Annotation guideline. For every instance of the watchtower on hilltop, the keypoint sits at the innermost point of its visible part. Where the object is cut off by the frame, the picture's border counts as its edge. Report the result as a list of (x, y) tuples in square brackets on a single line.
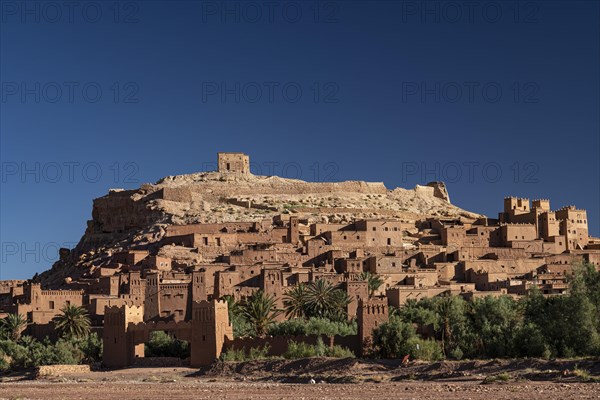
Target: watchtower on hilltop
[(233, 163)]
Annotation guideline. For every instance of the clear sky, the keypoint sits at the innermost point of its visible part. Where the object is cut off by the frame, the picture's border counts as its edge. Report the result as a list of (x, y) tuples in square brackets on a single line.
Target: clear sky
[(495, 98)]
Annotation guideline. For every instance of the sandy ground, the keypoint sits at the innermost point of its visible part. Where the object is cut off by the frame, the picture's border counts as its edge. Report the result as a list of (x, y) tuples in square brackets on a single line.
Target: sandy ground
[(203, 389), (267, 380)]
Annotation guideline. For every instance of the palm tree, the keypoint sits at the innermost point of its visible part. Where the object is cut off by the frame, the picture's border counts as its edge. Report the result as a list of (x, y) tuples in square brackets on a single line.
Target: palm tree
[(233, 307), (73, 321), (260, 311), (341, 301), (294, 302), (373, 281), (13, 325), (320, 298)]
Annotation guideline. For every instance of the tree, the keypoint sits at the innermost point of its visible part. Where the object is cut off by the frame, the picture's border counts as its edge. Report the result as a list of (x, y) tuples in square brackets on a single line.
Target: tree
[(373, 281), (161, 344), (12, 326), (240, 326), (568, 323), (392, 338), (339, 309), (496, 320), (260, 311), (323, 300), (452, 325), (72, 322), (295, 302), (417, 313), (319, 298)]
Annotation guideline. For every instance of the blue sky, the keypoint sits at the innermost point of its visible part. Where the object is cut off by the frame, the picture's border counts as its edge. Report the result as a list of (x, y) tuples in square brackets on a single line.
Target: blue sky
[(496, 98)]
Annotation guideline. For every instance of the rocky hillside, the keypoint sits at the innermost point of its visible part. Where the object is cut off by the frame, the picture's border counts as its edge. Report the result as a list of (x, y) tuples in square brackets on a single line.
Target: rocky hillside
[(138, 218)]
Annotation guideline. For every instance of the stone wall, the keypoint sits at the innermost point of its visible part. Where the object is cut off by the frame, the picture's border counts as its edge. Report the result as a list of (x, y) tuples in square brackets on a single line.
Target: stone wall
[(60, 370)]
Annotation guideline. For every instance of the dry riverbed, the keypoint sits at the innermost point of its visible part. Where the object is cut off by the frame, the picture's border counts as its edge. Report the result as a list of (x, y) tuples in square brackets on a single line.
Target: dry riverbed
[(321, 379)]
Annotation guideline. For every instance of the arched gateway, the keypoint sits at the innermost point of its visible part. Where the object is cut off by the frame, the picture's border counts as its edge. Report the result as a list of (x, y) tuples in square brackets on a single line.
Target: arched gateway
[(125, 333)]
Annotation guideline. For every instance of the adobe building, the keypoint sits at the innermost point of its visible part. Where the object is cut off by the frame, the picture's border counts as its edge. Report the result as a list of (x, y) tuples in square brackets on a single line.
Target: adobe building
[(371, 313), (125, 333), (528, 246), (233, 163)]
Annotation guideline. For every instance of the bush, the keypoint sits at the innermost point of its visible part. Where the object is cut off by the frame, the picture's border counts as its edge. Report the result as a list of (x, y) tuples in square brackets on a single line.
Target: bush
[(255, 353), (29, 352), (259, 353), (233, 355), (91, 348), (456, 354), (300, 350), (501, 377), (530, 342), (340, 352), (395, 338), (163, 345), (426, 350), (305, 350), (313, 326)]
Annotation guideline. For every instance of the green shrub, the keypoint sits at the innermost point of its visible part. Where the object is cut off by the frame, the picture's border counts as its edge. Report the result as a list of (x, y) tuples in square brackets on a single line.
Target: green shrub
[(259, 353), (313, 326), (530, 342), (340, 352), (255, 353), (234, 355), (426, 350), (456, 354), (305, 350), (299, 350), (394, 339), (501, 377), (29, 352), (163, 345)]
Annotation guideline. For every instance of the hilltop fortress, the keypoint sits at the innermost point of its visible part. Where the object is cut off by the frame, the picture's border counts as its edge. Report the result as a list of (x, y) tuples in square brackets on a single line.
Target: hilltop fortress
[(162, 256)]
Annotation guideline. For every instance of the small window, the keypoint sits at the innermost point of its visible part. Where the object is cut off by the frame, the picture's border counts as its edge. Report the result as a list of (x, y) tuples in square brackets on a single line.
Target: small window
[(51, 305)]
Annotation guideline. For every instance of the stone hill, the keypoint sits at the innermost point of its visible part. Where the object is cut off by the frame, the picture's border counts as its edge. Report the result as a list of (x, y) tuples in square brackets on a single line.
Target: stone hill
[(130, 219)]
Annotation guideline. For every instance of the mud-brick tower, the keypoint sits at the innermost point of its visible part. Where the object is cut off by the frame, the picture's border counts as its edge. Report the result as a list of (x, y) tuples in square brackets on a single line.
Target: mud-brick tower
[(119, 350), (370, 314), (210, 328)]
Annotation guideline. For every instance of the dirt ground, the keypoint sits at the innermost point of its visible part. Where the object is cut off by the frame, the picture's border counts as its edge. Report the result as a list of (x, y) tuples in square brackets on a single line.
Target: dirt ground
[(321, 379)]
